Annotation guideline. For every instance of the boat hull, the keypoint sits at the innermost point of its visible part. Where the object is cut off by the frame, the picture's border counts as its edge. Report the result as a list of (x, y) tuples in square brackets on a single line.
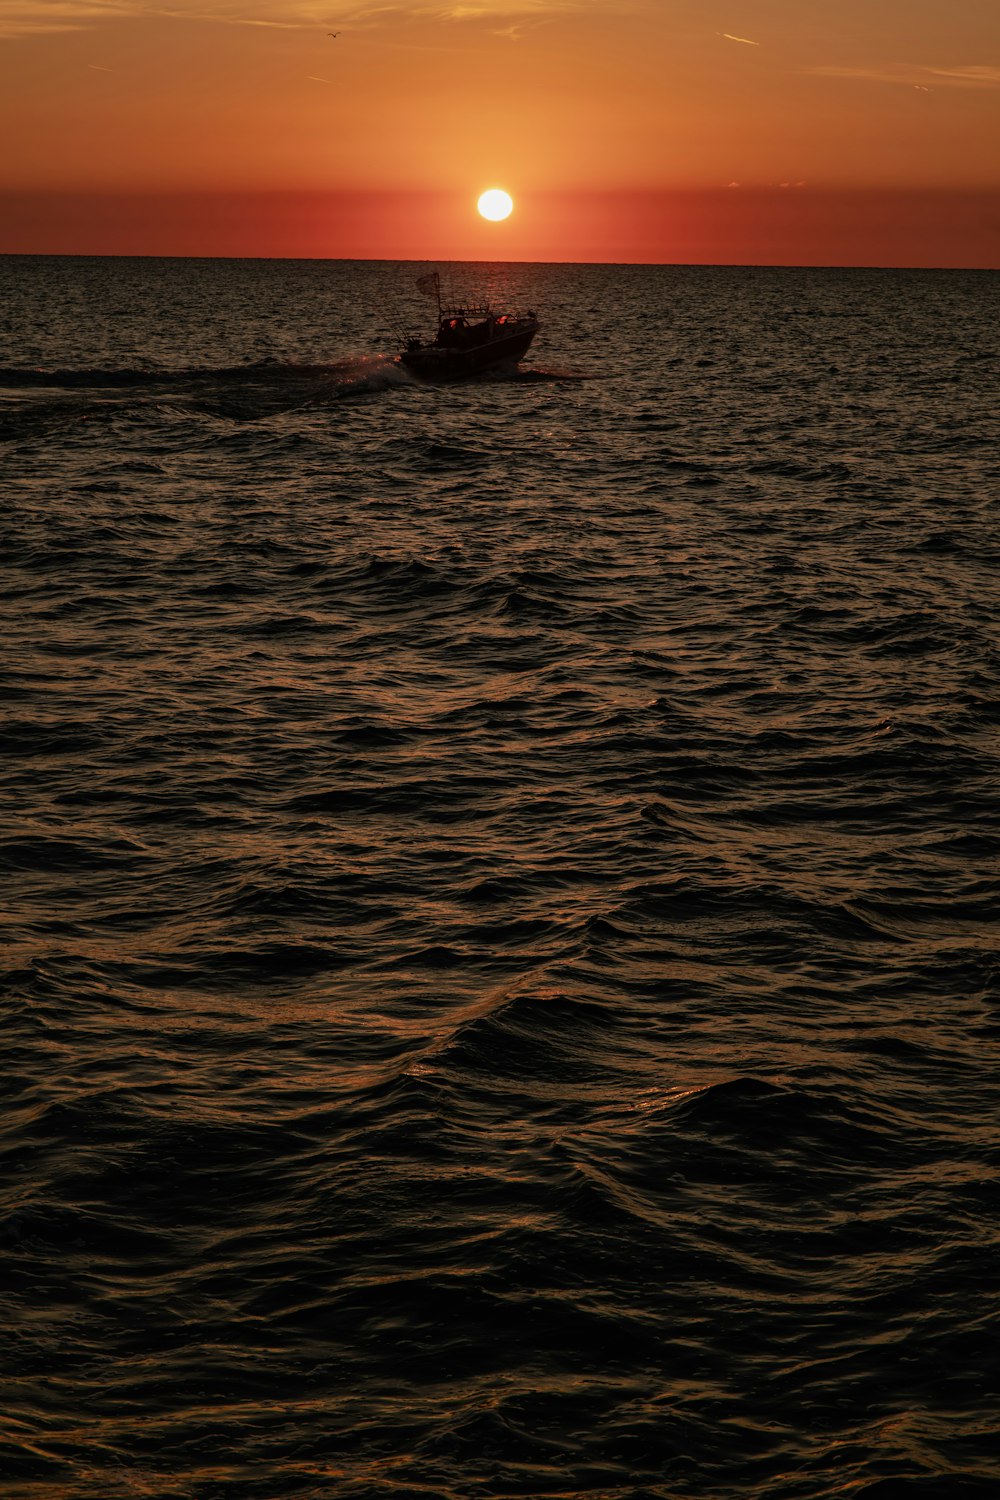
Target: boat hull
[(440, 362)]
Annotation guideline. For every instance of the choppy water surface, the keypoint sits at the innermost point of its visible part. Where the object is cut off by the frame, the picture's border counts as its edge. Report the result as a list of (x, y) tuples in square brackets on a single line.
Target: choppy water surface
[(501, 888)]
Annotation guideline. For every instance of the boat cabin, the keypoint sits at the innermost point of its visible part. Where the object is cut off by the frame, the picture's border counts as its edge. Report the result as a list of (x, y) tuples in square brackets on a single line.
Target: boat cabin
[(456, 332)]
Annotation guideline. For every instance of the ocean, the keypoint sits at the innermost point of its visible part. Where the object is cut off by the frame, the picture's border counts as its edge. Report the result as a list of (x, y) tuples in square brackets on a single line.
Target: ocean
[(502, 898)]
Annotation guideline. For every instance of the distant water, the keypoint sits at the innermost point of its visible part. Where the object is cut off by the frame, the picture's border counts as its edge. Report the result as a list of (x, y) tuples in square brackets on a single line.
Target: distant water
[(502, 891)]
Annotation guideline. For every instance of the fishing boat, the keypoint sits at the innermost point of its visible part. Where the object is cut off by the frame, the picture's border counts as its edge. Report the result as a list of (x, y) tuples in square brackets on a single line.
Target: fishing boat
[(469, 339)]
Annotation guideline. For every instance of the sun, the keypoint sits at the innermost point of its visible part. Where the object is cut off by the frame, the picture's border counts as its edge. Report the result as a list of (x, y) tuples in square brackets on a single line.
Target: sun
[(495, 204)]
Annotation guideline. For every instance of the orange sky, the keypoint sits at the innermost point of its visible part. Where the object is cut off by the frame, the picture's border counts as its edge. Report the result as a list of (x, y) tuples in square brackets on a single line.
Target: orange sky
[(760, 131)]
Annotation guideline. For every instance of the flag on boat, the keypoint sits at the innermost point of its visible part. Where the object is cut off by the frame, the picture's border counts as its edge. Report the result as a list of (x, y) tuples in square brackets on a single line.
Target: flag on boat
[(428, 284)]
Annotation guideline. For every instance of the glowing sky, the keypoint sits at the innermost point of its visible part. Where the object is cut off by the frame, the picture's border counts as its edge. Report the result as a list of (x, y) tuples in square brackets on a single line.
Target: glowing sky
[(656, 129)]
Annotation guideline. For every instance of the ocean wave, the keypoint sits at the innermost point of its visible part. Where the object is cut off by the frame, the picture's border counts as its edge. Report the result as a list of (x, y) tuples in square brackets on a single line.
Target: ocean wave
[(500, 958)]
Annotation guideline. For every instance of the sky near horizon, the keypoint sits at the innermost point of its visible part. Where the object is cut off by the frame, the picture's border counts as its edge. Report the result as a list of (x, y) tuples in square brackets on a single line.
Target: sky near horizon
[(776, 131)]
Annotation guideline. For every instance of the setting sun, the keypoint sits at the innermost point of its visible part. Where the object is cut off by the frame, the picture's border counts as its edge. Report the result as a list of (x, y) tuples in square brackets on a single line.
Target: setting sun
[(495, 204)]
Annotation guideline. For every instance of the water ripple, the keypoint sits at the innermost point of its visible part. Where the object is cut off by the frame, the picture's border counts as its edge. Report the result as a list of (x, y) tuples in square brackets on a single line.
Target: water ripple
[(501, 956)]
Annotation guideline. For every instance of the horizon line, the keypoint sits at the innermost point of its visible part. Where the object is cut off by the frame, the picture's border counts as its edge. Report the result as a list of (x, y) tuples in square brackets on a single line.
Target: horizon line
[(690, 265)]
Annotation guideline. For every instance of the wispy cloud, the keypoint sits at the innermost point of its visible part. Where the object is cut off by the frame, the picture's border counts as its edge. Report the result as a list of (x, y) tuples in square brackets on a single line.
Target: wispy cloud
[(744, 39), (913, 75), (515, 13), (29, 17), (299, 15), (33, 17), (970, 78)]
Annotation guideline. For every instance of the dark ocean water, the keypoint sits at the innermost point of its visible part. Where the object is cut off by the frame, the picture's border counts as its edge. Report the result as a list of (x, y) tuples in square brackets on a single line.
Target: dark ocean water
[(500, 934)]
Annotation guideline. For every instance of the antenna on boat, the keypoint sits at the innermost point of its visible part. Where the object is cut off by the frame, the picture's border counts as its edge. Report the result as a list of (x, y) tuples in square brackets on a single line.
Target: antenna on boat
[(430, 285)]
